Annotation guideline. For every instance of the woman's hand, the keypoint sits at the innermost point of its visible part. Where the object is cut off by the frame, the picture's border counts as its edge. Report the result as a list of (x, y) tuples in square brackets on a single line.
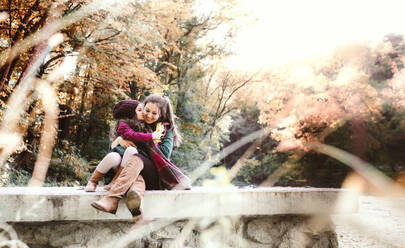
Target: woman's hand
[(122, 142)]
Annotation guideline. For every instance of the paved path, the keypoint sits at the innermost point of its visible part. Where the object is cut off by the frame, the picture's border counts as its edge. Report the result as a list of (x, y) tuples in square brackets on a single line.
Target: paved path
[(380, 223)]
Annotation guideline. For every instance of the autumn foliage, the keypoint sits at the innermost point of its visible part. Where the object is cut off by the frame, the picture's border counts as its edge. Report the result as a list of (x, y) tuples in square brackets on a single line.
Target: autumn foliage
[(352, 98), (109, 51)]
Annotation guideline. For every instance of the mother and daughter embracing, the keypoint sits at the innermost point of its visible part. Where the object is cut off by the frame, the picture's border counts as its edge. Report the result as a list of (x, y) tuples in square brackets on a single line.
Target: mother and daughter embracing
[(142, 143)]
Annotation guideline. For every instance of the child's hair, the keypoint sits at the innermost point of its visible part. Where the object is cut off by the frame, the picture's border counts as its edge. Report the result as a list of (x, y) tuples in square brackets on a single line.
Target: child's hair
[(124, 111), (166, 114)]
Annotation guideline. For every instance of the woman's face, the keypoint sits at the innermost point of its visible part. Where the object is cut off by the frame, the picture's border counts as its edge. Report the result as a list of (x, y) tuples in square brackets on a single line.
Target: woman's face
[(151, 112), (139, 112)]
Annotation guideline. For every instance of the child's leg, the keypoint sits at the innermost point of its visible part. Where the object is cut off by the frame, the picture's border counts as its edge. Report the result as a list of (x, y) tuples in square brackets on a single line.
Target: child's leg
[(111, 160), (129, 152)]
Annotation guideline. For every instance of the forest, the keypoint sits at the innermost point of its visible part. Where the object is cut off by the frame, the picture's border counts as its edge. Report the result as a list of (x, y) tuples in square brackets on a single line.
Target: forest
[(65, 63)]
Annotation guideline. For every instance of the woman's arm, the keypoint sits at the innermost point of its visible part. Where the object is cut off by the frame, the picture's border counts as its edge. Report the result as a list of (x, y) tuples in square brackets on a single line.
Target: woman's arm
[(166, 146), (126, 131)]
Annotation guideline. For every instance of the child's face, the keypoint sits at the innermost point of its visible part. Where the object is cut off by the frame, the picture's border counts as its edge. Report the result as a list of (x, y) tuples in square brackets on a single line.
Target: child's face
[(139, 112)]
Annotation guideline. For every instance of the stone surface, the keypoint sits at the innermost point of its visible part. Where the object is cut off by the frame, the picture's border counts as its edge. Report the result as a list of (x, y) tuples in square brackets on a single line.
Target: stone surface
[(287, 231), (72, 203), (53, 204), (260, 201), (264, 230), (282, 231), (226, 217), (167, 232), (70, 234), (326, 240)]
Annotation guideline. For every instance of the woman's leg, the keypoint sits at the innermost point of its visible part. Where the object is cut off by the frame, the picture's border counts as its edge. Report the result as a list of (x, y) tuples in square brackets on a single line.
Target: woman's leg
[(111, 160), (130, 151), (129, 174), (134, 197), (150, 175)]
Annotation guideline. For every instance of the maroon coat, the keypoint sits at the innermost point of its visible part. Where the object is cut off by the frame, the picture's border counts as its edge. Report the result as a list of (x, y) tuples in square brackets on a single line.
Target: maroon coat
[(125, 130)]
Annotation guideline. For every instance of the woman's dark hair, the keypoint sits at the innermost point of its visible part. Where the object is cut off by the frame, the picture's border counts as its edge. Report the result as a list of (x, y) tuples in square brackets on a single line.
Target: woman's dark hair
[(166, 114)]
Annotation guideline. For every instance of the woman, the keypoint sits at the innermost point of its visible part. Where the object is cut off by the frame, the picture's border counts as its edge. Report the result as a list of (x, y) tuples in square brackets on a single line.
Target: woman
[(125, 111), (140, 173)]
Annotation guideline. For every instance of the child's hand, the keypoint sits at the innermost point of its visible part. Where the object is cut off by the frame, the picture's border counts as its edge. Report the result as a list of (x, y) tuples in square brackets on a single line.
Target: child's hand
[(160, 127), (157, 135), (116, 142), (125, 143)]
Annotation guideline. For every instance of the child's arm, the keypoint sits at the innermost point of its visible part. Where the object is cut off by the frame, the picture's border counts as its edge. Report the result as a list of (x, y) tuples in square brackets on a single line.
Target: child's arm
[(120, 141), (115, 142), (126, 131)]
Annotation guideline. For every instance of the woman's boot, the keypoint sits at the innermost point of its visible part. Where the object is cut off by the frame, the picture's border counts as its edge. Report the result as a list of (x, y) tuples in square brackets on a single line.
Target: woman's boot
[(135, 196), (108, 186), (92, 184), (109, 202)]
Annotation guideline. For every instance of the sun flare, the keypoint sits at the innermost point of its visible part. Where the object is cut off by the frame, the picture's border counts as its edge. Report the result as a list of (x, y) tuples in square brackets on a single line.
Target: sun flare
[(293, 30)]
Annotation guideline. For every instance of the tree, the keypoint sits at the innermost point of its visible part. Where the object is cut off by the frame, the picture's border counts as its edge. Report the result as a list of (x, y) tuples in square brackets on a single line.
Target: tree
[(346, 100), (126, 50), (111, 49)]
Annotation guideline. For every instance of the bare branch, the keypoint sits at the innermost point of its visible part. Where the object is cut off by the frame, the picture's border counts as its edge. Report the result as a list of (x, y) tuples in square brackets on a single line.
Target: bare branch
[(236, 89), (46, 65), (107, 38)]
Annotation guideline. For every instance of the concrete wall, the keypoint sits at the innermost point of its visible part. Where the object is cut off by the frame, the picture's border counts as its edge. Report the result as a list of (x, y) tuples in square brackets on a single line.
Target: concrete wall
[(284, 231), (264, 217)]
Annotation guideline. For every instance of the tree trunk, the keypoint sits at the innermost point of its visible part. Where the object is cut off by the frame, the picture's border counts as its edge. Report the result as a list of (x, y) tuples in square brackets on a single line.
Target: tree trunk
[(81, 110), (64, 122), (134, 90), (358, 128), (7, 69)]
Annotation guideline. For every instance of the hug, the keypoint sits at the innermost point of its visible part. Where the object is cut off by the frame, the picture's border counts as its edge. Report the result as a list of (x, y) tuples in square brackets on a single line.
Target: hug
[(141, 146)]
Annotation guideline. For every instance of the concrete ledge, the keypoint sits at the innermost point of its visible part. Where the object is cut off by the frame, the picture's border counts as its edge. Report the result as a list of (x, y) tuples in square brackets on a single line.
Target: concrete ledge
[(19, 204)]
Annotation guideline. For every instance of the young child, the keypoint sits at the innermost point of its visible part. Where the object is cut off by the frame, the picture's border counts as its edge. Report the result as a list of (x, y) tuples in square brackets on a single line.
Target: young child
[(119, 155)]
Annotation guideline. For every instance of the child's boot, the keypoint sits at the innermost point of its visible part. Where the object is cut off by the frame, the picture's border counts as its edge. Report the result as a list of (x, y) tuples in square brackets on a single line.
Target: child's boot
[(108, 186), (92, 184)]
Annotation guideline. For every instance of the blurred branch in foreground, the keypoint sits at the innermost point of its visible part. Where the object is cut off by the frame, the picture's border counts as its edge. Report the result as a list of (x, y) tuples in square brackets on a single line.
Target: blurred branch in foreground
[(48, 97), (9, 237), (19, 100)]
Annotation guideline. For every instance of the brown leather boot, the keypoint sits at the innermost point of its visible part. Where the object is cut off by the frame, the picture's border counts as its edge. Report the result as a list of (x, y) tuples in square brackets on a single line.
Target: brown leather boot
[(135, 196), (108, 187), (107, 204), (126, 178), (92, 184)]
